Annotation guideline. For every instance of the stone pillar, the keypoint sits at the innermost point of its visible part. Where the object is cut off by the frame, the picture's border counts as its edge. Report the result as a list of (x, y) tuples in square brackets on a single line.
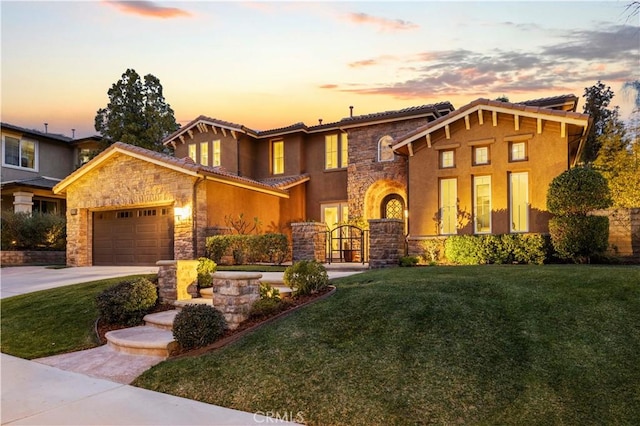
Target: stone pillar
[(234, 293), (309, 241), (22, 202), (386, 242), (177, 280)]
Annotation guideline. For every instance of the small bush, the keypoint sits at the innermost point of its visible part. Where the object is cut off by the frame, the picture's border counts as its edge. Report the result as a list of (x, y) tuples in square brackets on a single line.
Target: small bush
[(206, 267), (196, 326), (266, 307), (432, 250), (269, 292), (127, 302), (306, 277), (408, 261), (463, 250)]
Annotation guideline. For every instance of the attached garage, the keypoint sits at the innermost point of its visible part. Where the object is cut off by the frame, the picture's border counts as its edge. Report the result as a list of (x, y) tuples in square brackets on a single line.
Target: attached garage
[(133, 236)]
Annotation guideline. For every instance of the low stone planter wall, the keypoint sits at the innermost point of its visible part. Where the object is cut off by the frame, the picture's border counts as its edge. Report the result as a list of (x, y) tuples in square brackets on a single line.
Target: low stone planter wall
[(234, 293), (32, 257), (177, 280)]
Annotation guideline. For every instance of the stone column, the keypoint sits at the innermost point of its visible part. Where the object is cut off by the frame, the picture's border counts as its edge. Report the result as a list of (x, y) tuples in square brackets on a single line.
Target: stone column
[(309, 241), (177, 280), (22, 202), (386, 242), (234, 293)]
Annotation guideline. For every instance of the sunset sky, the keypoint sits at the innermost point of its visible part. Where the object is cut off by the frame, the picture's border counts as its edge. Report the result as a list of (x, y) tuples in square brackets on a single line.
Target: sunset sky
[(268, 64)]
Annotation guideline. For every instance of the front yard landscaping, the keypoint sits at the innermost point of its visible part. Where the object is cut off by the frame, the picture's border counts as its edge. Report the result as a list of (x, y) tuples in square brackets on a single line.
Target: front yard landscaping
[(555, 344)]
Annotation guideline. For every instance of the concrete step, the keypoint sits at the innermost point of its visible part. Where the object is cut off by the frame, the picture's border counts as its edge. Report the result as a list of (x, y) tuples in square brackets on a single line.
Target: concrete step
[(142, 340), (163, 320), (206, 293), (198, 300)]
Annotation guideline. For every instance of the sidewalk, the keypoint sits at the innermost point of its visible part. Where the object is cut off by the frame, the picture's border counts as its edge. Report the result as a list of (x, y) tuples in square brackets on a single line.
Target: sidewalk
[(36, 394)]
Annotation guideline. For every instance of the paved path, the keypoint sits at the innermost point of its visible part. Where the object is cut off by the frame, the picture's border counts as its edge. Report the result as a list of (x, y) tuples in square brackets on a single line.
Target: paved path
[(33, 393)]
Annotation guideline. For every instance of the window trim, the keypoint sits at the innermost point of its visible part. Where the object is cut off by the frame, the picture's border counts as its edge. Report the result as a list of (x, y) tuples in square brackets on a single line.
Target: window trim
[(475, 204), (474, 156), (441, 206), (526, 151), (527, 204), (341, 152), (385, 138), (277, 164), (202, 147), (36, 151), (441, 158), (217, 153)]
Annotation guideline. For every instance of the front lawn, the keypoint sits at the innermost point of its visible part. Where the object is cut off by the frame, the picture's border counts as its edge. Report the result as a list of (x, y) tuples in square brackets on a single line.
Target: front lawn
[(555, 344), (51, 322)]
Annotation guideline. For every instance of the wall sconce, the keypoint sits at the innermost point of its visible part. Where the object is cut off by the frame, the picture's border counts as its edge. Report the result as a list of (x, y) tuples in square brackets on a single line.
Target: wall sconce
[(406, 213), (181, 212)]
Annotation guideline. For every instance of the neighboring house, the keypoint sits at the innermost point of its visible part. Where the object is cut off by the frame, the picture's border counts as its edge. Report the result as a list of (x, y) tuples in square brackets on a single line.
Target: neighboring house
[(486, 168), (133, 206), (33, 162)]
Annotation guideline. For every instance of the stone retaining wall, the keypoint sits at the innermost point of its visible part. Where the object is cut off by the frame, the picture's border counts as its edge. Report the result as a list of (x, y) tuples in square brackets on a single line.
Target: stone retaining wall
[(624, 233), (30, 257), (309, 241), (233, 295)]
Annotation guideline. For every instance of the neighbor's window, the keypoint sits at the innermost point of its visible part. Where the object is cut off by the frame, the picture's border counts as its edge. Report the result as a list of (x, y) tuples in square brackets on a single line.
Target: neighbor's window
[(204, 153), (216, 153), (344, 150), (20, 153), (447, 159), (385, 153), (277, 159), (331, 151), (519, 203), (518, 151), (448, 206), (480, 155), (193, 148), (482, 204)]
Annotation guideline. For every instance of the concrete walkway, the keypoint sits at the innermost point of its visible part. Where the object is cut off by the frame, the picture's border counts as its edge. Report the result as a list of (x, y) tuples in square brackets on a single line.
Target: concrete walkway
[(76, 391)]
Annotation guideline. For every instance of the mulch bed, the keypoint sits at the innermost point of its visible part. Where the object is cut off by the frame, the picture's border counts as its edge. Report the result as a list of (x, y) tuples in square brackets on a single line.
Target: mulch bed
[(230, 336)]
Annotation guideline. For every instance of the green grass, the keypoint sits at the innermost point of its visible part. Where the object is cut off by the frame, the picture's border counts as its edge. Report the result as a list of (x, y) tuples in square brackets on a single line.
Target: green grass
[(51, 322), (542, 345)]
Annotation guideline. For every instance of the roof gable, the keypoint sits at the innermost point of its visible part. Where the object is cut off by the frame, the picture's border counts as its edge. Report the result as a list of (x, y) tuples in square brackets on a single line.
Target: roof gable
[(184, 165)]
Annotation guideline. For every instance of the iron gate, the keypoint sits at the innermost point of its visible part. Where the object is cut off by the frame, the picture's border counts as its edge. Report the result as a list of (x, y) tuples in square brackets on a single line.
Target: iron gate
[(347, 243)]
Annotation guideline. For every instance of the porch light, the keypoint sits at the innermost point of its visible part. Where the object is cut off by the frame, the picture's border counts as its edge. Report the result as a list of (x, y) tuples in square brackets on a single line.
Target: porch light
[(406, 213), (181, 212)]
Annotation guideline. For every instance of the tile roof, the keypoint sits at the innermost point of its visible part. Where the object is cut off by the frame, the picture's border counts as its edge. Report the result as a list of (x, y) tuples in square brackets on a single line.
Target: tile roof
[(35, 182), (552, 101), (37, 133), (286, 182)]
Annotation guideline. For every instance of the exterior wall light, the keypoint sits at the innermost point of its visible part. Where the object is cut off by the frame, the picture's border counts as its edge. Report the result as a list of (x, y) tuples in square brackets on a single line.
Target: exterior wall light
[(181, 212)]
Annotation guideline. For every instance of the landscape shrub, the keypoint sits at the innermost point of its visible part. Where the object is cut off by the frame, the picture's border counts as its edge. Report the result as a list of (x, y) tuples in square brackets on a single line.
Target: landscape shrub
[(268, 248), (571, 196), (267, 291), (266, 307), (198, 325), (306, 277), (206, 267), (578, 238), (127, 302), (500, 249), (32, 231), (408, 261), (432, 250)]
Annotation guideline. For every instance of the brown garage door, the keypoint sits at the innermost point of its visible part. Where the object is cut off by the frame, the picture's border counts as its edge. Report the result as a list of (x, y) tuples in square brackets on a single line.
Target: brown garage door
[(133, 236)]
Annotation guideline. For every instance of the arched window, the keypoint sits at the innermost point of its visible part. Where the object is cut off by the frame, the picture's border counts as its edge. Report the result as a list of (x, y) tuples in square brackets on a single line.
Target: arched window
[(385, 153), (392, 207)]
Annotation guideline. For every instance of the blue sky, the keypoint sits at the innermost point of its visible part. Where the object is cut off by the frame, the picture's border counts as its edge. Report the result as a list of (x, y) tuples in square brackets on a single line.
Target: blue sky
[(268, 64)]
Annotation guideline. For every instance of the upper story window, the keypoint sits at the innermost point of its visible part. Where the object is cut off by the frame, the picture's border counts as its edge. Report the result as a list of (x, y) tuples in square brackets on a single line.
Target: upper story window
[(204, 153), (277, 157), (336, 151), (193, 152), (517, 151), (85, 155), (216, 153), (480, 155), (20, 153), (447, 159), (385, 153)]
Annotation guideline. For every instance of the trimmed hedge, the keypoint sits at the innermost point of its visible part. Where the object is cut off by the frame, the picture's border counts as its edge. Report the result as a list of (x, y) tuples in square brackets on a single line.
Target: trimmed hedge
[(33, 231), (196, 326), (500, 249), (127, 302), (267, 248), (578, 238)]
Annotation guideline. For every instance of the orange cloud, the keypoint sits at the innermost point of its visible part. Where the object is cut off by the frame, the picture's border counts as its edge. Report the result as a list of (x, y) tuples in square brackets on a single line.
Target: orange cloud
[(147, 8), (383, 23), (328, 86)]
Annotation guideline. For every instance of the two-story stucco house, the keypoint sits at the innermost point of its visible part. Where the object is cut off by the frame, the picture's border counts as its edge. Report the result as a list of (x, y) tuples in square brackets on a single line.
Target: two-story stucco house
[(132, 206), (33, 162)]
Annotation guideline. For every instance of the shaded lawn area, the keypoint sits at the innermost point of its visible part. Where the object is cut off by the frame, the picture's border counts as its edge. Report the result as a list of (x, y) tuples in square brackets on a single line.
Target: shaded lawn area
[(556, 344), (51, 322)]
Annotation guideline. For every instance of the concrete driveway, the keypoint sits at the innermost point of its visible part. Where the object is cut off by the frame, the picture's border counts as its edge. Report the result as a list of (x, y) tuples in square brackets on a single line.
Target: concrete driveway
[(27, 279)]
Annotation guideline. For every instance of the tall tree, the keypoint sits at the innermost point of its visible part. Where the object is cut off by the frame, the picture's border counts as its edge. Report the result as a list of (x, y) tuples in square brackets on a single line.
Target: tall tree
[(137, 113), (598, 97), (633, 86)]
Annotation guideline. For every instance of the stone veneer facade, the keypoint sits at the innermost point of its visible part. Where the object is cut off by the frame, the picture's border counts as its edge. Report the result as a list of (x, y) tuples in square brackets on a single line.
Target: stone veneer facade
[(370, 180), (387, 244), (309, 241), (131, 183)]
